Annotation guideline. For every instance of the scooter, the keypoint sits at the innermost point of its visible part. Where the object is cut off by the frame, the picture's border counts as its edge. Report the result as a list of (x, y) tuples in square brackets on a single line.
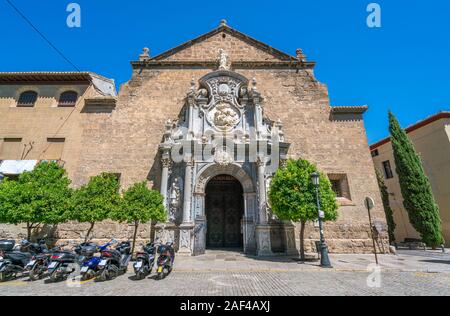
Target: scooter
[(62, 264), (89, 265), (37, 267), (114, 262), (12, 262), (165, 260), (145, 261)]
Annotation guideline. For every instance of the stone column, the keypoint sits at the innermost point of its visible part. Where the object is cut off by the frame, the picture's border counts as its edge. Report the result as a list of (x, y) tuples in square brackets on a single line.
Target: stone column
[(260, 163), (264, 247), (187, 192), (186, 228)]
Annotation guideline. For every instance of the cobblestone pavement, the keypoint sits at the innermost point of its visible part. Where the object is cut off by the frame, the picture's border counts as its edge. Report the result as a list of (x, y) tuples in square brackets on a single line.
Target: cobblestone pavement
[(246, 284), (226, 273)]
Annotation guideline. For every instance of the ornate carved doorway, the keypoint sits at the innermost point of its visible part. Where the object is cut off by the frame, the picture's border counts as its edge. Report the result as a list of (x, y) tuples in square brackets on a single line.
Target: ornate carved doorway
[(224, 212)]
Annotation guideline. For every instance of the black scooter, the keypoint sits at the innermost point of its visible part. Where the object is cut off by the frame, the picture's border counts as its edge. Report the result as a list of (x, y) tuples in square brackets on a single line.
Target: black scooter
[(145, 261), (62, 264), (12, 262), (114, 262), (165, 260), (37, 267)]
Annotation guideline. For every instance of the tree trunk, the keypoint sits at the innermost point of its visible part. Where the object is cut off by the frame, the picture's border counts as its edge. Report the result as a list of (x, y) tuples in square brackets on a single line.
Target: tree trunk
[(89, 232), (136, 225), (29, 230), (302, 240)]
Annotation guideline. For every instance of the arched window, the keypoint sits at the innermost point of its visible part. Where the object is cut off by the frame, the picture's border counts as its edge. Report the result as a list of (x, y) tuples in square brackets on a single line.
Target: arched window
[(68, 99), (27, 99)]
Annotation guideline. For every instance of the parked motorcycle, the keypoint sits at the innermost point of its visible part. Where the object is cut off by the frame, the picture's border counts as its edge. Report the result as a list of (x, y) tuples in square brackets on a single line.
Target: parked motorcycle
[(37, 267), (145, 261), (62, 264), (90, 263), (114, 262), (12, 262), (165, 260)]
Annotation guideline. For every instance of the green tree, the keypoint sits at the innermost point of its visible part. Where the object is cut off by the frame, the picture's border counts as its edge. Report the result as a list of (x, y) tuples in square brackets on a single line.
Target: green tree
[(292, 196), (387, 207), (38, 197), (95, 201), (418, 198), (140, 205)]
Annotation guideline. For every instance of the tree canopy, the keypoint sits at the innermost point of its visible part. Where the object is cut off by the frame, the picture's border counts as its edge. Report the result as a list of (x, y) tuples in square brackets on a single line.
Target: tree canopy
[(96, 201), (38, 197), (140, 205), (292, 195)]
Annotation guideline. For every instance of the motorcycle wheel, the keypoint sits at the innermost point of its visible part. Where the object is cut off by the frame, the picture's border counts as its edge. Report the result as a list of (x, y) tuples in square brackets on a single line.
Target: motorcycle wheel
[(140, 275), (103, 276), (87, 276), (113, 272), (3, 277), (54, 277), (34, 275)]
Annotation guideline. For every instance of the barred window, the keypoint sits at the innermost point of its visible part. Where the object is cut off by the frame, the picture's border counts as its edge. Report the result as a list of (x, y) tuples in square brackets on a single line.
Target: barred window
[(388, 169), (340, 186), (68, 99), (27, 99)]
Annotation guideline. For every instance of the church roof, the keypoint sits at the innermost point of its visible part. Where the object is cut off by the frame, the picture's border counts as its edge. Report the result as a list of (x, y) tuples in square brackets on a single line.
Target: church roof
[(49, 77), (223, 27)]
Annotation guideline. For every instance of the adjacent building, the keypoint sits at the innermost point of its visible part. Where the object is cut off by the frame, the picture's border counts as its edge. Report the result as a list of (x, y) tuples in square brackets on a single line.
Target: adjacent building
[(207, 123), (431, 139)]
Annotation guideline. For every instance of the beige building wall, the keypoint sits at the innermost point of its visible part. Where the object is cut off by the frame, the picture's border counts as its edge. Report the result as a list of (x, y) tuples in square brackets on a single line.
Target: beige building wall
[(432, 142), (42, 132)]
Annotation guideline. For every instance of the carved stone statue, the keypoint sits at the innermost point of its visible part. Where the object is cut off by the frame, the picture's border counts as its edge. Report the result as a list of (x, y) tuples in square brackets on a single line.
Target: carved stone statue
[(223, 60), (175, 194)]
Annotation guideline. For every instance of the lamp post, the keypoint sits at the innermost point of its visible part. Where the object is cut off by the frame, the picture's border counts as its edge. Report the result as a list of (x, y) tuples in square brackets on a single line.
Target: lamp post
[(324, 259)]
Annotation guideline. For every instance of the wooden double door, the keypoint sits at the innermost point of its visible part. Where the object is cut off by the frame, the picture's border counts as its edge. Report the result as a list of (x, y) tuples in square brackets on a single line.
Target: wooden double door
[(224, 212)]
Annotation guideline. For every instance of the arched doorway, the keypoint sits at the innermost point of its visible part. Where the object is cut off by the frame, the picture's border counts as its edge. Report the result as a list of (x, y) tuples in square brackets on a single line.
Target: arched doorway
[(224, 210)]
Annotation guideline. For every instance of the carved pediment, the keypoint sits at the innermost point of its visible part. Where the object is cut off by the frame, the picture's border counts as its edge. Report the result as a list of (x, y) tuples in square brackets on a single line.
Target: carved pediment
[(223, 111)]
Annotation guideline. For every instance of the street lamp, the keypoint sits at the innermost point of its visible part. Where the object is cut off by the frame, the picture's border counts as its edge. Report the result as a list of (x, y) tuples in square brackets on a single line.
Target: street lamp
[(324, 259)]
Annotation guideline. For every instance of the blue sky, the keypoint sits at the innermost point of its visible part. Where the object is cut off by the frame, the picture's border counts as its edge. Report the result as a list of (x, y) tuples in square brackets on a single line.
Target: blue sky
[(403, 66)]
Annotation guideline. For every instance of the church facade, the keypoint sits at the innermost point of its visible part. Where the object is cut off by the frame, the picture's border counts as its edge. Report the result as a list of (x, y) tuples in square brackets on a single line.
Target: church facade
[(208, 123)]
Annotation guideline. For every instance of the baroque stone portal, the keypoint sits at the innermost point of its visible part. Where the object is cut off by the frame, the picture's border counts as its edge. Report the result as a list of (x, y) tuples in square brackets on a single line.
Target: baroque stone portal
[(221, 135)]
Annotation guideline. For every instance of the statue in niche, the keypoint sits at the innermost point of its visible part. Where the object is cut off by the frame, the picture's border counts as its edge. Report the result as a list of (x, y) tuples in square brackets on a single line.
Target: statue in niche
[(175, 194), (223, 60)]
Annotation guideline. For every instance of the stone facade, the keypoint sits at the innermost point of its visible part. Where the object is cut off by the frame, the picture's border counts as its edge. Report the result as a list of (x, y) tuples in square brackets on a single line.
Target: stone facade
[(130, 139)]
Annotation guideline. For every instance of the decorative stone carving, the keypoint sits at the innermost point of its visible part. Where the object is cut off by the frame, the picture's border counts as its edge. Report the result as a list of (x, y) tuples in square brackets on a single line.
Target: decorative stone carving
[(175, 200), (145, 55), (224, 116), (223, 60), (300, 56), (202, 93), (222, 157)]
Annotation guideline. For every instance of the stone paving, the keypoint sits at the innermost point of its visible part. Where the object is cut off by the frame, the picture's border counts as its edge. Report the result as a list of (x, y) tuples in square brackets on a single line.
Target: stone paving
[(229, 274)]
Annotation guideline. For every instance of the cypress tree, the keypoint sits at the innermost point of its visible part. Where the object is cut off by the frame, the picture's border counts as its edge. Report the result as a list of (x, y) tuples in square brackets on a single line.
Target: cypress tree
[(387, 207), (418, 198)]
